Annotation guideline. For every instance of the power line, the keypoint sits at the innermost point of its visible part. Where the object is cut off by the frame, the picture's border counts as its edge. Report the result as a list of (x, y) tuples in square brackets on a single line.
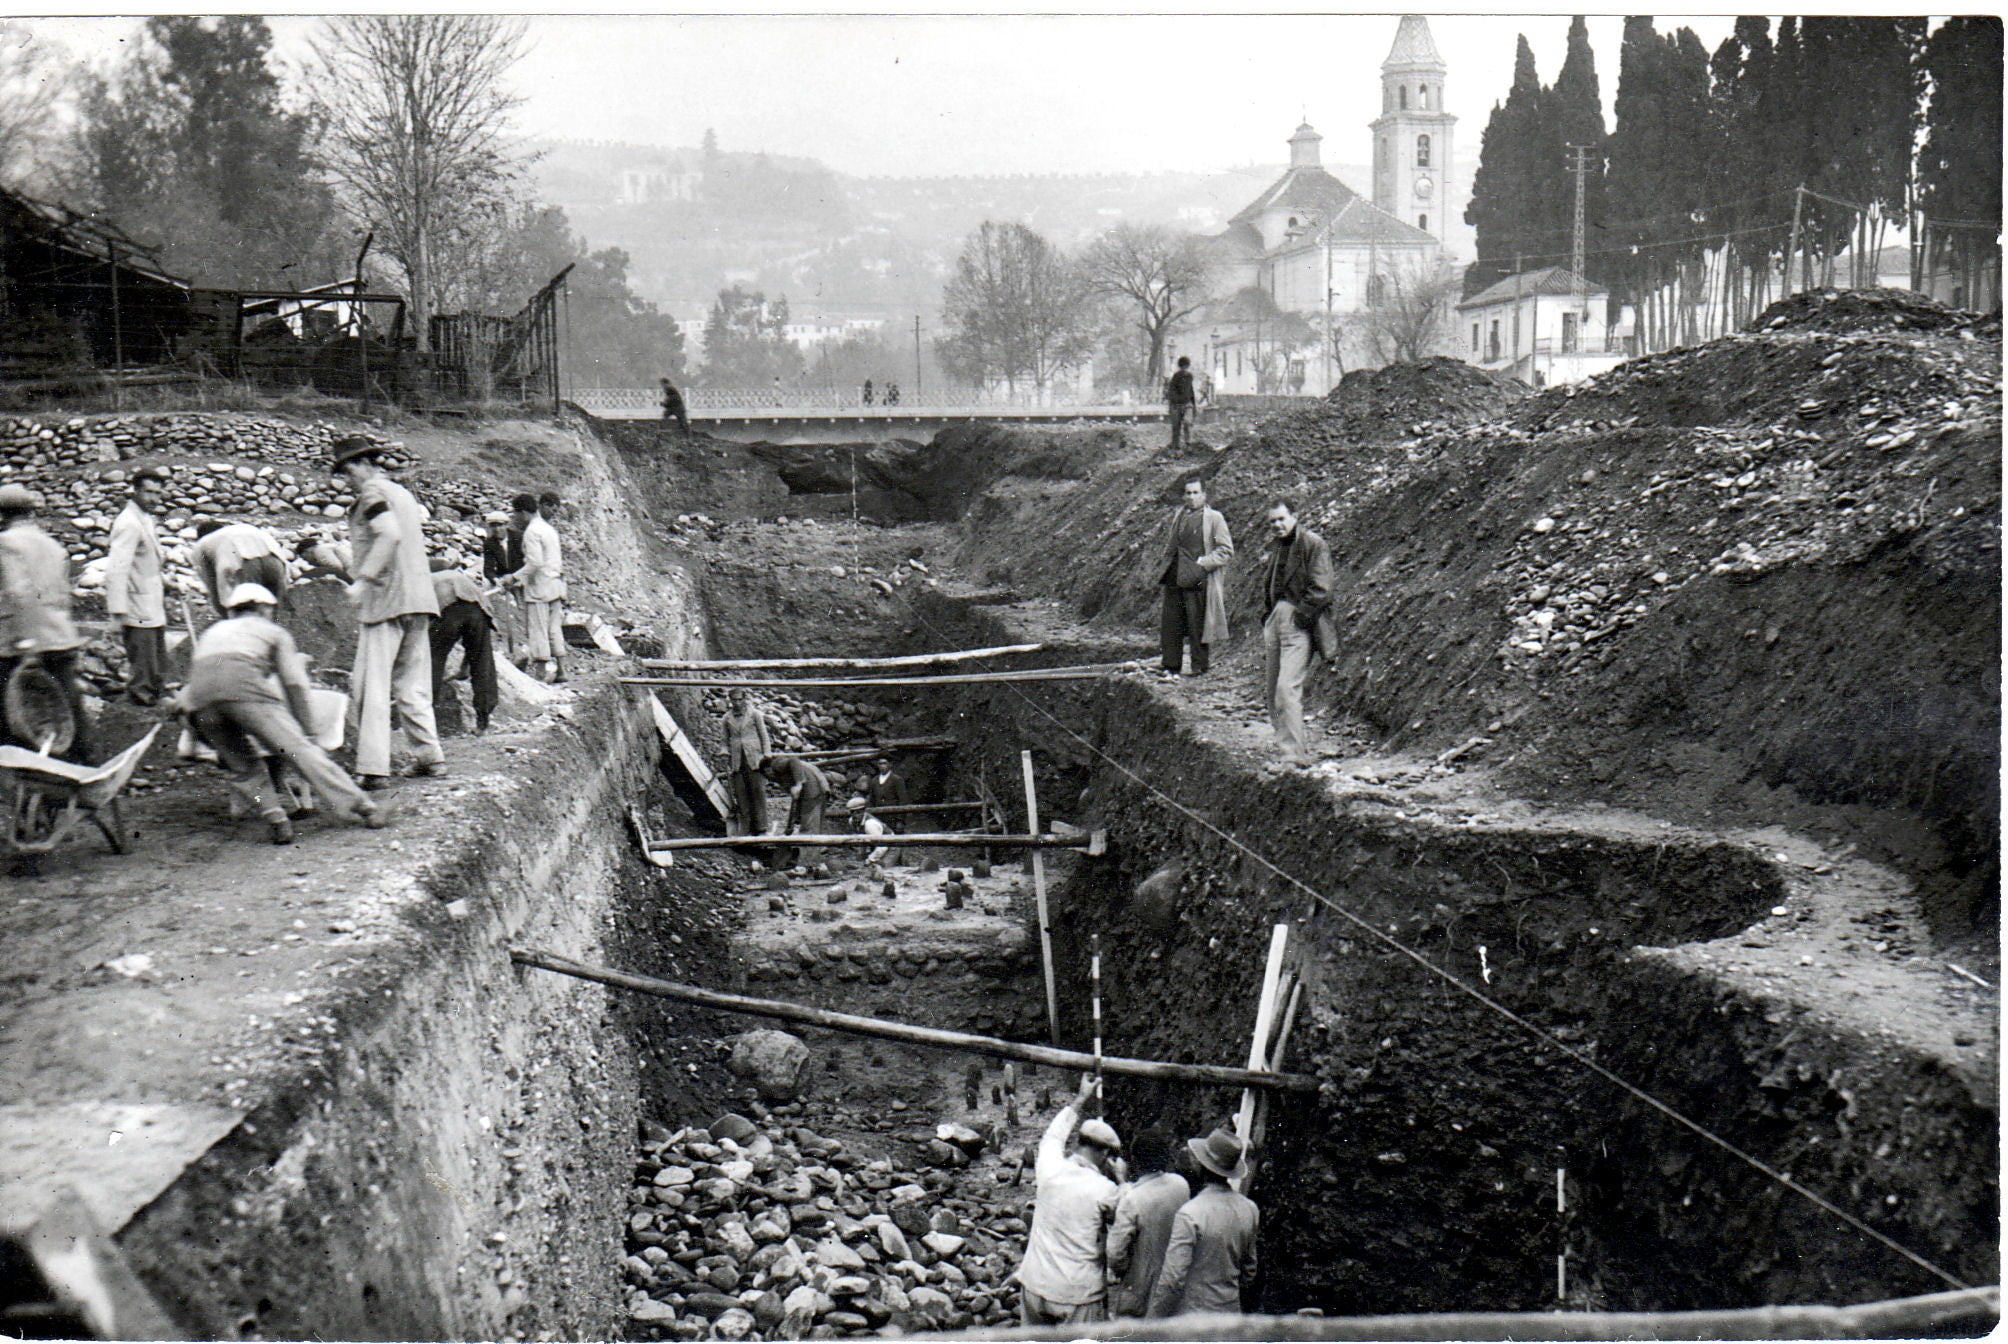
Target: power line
[(1534, 1029)]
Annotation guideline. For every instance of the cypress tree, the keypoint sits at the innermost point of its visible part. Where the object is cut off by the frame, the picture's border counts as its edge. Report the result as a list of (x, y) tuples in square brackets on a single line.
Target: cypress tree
[(1959, 175), (1505, 200)]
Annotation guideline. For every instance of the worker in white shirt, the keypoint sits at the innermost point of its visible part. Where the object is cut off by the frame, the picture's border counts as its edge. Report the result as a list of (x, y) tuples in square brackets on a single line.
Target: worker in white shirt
[(227, 554), (135, 595), (542, 579), (1062, 1280)]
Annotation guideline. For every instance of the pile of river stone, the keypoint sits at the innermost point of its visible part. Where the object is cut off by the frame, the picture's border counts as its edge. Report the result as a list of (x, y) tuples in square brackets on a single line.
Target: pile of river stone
[(744, 1232)]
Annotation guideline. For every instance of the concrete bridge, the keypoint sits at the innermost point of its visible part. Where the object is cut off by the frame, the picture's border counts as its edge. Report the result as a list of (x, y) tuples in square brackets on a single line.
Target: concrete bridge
[(824, 415)]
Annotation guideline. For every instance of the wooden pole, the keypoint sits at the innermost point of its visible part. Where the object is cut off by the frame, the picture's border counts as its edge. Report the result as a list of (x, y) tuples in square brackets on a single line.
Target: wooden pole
[(904, 660), (900, 809), (1095, 842), (1210, 1075), (1792, 249), (1038, 862), (1078, 673), (1258, 1051), (1964, 1312), (1095, 978)]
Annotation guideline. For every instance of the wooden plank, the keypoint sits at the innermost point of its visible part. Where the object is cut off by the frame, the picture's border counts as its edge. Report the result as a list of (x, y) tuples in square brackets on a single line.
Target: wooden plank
[(1039, 890), (688, 756), (1961, 1313), (1092, 841), (1210, 1075), (903, 660), (899, 809), (1081, 672), (1258, 1049)]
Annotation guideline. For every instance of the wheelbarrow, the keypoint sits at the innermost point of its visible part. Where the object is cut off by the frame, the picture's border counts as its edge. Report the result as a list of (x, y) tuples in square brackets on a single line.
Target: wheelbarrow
[(47, 797)]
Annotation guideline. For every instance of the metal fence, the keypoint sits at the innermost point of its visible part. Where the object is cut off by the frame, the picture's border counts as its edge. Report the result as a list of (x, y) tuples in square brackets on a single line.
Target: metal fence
[(826, 397)]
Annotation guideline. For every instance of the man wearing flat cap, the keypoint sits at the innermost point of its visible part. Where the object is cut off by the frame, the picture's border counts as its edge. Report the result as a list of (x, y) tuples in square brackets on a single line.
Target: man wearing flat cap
[(395, 604), (1062, 1280), (1210, 1260), (35, 609)]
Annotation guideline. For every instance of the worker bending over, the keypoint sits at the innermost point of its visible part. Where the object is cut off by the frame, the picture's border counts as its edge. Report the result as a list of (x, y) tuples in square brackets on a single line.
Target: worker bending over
[(246, 689)]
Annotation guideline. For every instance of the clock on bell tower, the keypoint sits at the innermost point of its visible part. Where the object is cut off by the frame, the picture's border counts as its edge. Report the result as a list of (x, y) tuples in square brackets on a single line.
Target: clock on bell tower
[(1413, 135)]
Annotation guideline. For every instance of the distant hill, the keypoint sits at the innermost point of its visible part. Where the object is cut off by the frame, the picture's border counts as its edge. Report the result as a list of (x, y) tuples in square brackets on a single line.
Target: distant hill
[(838, 244)]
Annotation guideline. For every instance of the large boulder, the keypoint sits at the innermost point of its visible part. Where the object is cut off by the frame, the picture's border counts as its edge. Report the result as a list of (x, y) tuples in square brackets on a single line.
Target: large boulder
[(771, 1060)]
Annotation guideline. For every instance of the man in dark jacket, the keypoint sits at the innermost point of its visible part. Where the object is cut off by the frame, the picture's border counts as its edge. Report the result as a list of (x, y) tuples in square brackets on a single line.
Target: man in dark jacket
[(1181, 400), (673, 407), (1296, 600)]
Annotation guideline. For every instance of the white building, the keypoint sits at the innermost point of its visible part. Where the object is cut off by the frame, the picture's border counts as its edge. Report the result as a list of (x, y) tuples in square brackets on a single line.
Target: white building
[(1301, 271), (1542, 327)]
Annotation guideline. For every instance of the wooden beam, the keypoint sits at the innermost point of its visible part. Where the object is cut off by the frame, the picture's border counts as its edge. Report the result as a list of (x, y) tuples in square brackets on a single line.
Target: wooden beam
[(1095, 842), (690, 758), (1961, 1313), (882, 746), (903, 660), (1081, 672), (898, 809), (1038, 866), (1210, 1075), (1266, 1009)]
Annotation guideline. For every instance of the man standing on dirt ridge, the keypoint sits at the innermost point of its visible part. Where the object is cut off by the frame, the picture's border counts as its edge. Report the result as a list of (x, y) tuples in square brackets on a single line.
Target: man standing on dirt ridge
[(1196, 551), (134, 593), (1061, 1281), (1181, 400), (1296, 605), (395, 606), (542, 579)]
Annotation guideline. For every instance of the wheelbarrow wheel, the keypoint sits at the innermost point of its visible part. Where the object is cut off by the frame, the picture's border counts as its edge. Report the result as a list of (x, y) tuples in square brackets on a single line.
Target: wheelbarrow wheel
[(38, 714)]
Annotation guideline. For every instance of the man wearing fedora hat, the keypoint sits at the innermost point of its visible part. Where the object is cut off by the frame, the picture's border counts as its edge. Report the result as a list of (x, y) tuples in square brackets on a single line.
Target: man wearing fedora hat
[(1062, 1280), (1210, 1258), (395, 604)]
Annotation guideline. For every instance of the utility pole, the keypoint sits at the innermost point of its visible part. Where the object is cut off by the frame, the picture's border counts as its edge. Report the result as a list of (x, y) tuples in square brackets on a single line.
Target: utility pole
[(916, 357), (1792, 251), (1581, 168)]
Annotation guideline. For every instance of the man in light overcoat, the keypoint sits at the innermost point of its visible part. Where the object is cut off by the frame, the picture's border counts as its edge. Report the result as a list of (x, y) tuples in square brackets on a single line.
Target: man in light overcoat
[(1194, 578)]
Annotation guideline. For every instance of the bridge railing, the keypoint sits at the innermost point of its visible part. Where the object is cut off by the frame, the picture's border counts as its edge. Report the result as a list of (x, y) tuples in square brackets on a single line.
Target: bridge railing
[(739, 400)]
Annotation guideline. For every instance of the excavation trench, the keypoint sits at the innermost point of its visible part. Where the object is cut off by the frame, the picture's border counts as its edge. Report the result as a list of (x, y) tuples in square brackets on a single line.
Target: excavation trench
[(1423, 1177)]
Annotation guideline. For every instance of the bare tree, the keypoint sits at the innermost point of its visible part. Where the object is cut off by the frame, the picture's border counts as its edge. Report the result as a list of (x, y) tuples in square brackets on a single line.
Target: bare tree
[(1409, 311), (1161, 275), (1015, 309), (417, 119), (31, 78)]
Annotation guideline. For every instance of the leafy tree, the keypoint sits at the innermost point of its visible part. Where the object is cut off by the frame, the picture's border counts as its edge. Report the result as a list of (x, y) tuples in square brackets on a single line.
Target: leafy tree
[(746, 340), (1015, 309), (1158, 275), (1505, 196), (418, 120), (30, 80), (189, 144), (1959, 165)]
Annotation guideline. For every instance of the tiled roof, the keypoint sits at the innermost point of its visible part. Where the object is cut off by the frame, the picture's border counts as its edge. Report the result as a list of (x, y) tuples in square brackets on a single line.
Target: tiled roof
[(1306, 187), (1547, 280), (1361, 221), (1412, 44)]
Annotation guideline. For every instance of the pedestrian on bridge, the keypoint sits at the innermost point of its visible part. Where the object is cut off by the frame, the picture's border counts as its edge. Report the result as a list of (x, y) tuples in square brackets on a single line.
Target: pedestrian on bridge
[(1197, 548), (868, 392), (892, 394), (673, 407)]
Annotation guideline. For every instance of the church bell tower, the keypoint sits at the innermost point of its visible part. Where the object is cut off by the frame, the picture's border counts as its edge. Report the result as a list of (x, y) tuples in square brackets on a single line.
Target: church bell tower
[(1413, 135)]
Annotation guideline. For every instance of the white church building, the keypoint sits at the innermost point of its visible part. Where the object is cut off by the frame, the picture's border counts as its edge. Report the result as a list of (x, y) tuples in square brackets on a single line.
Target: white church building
[(1301, 269)]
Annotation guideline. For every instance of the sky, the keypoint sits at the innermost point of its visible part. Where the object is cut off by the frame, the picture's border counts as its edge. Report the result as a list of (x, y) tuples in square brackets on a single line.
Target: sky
[(908, 96)]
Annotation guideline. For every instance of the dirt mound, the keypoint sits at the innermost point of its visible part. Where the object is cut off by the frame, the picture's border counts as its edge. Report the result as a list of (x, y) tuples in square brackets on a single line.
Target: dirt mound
[(1841, 310), (1437, 390), (1755, 582)]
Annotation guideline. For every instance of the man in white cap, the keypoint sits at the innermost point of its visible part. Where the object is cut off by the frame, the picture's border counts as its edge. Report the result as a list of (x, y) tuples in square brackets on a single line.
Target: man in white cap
[(1210, 1260), (1062, 1280), (247, 689), (134, 593), (35, 609), (395, 604)]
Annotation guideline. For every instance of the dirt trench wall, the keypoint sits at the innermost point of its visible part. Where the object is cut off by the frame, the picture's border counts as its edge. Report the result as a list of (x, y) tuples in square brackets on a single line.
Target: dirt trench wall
[(458, 1170), (1422, 1177)]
